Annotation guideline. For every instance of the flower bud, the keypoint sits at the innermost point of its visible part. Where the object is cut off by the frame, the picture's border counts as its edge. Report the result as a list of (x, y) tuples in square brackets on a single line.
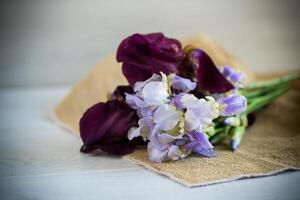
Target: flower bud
[(236, 134)]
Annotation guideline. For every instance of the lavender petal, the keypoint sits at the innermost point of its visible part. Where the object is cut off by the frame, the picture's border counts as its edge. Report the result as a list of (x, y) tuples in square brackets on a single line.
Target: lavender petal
[(232, 105), (182, 84)]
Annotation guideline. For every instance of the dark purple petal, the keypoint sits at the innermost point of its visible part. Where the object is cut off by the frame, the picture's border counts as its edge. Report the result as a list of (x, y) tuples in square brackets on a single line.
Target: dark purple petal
[(197, 93), (134, 73), (105, 125), (209, 78), (143, 55)]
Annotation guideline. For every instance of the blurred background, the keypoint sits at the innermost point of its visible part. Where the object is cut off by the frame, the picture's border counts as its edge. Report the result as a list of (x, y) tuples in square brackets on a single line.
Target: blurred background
[(56, 42)]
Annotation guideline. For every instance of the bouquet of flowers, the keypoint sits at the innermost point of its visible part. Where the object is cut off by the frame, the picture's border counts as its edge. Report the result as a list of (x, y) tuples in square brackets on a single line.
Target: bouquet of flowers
[(177, 102)]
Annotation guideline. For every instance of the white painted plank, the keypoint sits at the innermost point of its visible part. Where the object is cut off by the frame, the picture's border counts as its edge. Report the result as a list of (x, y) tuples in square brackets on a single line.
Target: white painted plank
[(30, 143), (140, 184)]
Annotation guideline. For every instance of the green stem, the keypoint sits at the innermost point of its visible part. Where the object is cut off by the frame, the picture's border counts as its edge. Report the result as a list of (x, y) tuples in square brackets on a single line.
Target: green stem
[(273, 82), (220, 135), (220, 129), (262, 101), (254, 94)]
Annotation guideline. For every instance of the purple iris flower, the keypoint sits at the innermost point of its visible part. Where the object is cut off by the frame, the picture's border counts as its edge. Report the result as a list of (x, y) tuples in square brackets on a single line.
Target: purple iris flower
[(105, 125), (198, 142), (232, 105), (208, 76), (145, 54)]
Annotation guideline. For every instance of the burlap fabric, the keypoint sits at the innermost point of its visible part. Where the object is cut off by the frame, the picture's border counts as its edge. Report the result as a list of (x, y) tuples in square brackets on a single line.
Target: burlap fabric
[(270, 146)]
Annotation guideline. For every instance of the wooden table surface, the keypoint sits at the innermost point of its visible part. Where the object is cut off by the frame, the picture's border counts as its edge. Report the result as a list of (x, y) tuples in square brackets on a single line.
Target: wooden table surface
[(39, 160)]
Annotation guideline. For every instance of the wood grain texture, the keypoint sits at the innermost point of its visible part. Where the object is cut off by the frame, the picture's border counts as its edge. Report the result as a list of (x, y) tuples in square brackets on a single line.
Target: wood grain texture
[(31, 145), (141, 184)]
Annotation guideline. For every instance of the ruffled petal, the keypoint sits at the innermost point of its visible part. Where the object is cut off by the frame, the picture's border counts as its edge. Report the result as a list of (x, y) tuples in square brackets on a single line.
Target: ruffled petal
[(157, 152), (138, 86), (230, 74), (143, 55), (134, 132), (188, 100), (166, 117), (182, 84), (155, 93), (200, 114), (165, 138), (232, 105), (135, 102), (191, 120), (183, 100), (145, 124), (208, 76), (205, 152), (174, 152), (133, 73), (105, 126), (200, 144)]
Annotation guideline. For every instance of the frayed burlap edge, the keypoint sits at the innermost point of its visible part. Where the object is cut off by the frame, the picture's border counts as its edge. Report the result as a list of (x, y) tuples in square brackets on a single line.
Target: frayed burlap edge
[(191, 185)]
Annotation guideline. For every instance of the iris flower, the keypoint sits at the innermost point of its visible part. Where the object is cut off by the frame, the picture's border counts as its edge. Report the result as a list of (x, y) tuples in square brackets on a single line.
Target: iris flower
[(145, 54)]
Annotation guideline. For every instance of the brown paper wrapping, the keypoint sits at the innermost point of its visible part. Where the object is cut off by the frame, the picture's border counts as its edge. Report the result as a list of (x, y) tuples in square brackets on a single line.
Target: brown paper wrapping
[(272, 145)]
